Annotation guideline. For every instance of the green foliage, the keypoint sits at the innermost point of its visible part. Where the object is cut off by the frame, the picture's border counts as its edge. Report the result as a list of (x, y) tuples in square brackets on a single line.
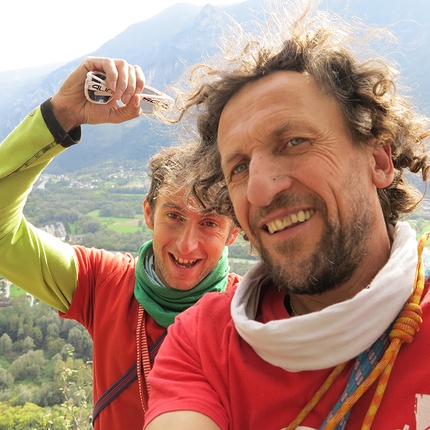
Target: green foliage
[(31, 417), (5, 344), (76, 387), (15, 291), (45, 363), (240, 266), (29, 365), (420, 224), (6, 379), (86, 224), (26, 417)]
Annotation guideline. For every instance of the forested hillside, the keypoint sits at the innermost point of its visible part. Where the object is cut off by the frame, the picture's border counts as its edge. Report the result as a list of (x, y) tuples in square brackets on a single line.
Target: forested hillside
[(45, 369)]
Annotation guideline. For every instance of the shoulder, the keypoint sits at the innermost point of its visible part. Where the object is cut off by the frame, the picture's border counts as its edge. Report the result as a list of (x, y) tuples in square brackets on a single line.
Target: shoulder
[(211, 307), (101, 259), (103, 270)]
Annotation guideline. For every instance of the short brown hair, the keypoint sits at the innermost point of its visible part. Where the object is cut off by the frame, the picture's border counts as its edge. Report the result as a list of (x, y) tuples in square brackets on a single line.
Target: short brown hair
[(175, 169)]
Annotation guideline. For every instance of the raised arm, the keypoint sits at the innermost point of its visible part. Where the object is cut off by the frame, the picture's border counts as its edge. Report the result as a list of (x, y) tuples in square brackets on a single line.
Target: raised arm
[(35, 261)]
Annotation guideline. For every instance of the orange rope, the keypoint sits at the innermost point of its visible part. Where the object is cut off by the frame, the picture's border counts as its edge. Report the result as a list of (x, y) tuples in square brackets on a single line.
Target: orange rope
[(316, 397), (404, 328)]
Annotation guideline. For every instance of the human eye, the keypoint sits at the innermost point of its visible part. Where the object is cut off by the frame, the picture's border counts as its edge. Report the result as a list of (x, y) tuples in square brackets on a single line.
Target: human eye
[(295, 146), (295, 142), (235, 170), (173, 216), (239, 168), (209, 223)]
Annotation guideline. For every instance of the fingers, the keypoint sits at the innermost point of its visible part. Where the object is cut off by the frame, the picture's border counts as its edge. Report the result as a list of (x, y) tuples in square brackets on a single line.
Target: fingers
[(123, 79), (131, 81)]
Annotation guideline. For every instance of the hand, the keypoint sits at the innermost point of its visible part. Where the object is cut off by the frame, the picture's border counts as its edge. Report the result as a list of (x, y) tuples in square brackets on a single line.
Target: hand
[(72, 109)]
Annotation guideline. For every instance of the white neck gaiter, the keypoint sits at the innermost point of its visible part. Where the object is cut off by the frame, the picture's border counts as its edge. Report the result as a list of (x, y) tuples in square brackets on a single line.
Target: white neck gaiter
[(337, 333)]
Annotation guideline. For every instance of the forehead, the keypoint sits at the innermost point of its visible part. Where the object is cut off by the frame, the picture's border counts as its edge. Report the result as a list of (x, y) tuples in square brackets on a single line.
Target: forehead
[(273, 102), (172, 195), (172, 198)]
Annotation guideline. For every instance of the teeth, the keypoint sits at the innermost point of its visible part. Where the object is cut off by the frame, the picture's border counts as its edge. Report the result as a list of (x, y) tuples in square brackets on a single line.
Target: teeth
[(184, 261), (280, 224)]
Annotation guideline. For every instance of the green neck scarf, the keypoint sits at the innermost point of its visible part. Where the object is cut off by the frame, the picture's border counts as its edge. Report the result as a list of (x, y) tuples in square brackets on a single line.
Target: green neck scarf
[(164, 303)]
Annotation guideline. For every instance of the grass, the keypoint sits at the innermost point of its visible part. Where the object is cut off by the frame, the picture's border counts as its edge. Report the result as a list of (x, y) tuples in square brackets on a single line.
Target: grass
[(72, 228), (119, 225), (16, 291), (120, 228)]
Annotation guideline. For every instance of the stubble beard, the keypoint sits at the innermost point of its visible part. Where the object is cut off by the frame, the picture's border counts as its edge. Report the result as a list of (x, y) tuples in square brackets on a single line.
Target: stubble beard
[(337, 255)]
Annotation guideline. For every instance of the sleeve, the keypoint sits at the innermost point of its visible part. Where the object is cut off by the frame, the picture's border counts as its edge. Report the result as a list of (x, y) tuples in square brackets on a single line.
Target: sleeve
[(181, 377), (30, 258)]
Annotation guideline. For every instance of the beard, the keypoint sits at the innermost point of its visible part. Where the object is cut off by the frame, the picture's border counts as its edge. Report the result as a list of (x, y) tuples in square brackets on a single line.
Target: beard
[(336, 256)]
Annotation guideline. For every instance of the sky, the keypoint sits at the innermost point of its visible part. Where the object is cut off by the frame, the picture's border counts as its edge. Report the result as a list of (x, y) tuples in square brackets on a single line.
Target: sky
[(40, 32)]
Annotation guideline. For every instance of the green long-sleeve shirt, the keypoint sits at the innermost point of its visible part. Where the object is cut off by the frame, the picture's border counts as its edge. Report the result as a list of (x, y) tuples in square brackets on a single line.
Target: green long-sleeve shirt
[(30, 258)]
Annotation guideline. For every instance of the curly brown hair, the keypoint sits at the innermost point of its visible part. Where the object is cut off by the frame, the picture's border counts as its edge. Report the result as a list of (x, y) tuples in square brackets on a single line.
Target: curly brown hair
[(324, 46)]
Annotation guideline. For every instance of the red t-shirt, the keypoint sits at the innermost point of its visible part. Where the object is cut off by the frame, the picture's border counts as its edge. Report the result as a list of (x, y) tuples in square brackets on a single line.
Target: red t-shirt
[(104, 303), (224, 378)]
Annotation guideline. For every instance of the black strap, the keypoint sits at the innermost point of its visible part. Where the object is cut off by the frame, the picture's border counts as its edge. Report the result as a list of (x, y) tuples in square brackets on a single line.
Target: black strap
[(60, 135), (128, 378)]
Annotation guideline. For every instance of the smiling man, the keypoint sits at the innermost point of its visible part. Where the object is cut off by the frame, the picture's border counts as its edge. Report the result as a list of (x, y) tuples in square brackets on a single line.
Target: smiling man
[(312, 141), (125, 303)]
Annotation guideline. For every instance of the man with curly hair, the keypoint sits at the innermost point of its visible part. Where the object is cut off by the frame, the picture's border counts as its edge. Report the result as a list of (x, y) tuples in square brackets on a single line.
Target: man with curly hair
[(329, 330)]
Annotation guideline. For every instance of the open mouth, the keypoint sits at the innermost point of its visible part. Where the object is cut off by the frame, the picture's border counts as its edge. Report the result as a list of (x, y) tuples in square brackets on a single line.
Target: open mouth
[(289, 220), (184, 263)]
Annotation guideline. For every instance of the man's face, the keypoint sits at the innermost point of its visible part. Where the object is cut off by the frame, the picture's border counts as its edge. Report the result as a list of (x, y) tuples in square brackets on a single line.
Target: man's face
[(303, 193), (187, 245)]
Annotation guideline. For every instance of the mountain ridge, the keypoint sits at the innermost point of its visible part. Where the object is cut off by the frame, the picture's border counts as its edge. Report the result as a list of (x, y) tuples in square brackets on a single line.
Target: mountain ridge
[(183, 35)]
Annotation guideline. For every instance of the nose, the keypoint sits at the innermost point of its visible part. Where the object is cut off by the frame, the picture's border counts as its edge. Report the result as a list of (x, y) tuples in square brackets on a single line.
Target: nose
[(268, 176), (188, 239)]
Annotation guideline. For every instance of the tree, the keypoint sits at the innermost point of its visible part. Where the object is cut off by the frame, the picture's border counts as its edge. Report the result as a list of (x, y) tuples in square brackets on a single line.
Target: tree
[(5, 344), (55, 346), (75, 337), (87, 224), (6, 379), (66, 350), (27, 344), (77, 377), (53, 330), (29, 365), (50, 394), (37, 337), (29, 416), (24, 396)]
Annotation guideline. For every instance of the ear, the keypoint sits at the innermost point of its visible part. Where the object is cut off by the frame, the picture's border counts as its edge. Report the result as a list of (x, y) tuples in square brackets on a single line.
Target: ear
[(383, 168), (148, 214), (233, 236)]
